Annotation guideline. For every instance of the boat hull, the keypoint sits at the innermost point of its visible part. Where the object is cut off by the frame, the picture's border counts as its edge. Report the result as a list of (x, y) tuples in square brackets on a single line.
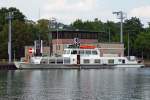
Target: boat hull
[(21, 65), (129, 65), (43, 66)]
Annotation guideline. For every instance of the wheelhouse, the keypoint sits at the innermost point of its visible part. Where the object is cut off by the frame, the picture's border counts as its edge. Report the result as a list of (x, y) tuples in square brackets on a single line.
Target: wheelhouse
[(82, 52)]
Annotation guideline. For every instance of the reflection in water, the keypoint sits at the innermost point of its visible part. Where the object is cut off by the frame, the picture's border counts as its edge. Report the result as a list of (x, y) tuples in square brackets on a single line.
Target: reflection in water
[(104, 84)]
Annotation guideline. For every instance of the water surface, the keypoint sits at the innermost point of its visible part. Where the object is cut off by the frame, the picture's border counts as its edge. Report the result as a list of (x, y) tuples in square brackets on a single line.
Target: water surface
[(102, 84)]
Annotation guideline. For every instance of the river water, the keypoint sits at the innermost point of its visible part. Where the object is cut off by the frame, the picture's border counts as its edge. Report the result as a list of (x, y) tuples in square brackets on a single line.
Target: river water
[(101, 84)]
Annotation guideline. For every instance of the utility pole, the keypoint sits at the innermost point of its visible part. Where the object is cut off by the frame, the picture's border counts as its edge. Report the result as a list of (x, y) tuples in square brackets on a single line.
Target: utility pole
[(57, 41), (14, 56), (109, 34), (9, 17), (121, 16), (53, 25), (142, 55), (128, 45)]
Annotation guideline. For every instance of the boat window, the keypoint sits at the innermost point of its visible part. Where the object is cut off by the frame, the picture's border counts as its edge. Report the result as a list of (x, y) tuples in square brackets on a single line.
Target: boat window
[(81, 52), (66, 51), (43, 61), (123, 61), (94, 52), (88, 52), (86, 61), (74, 52), (120, 60), (98, 61), (59, 61), (111, 61), (66, 60), (44, 55)]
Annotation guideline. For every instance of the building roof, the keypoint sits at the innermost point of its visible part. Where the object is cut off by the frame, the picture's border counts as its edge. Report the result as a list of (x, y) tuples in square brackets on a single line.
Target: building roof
[(75, 31)]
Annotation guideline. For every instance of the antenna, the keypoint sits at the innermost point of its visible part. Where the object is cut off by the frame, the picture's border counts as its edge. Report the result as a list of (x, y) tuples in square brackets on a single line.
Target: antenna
[(39, 12), (120, 16)]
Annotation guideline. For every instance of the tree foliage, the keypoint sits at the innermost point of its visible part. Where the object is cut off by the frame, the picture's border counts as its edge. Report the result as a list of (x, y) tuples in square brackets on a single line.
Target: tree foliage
[(133, 29), (24, 32), (42, 27), (142, 44)]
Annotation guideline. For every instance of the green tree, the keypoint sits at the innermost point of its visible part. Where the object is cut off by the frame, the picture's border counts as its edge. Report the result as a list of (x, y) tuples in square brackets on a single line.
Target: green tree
[(94, 26), (17, 15), (42, 27), (4, 14), (3, 21), (134, 24), (142, 44), (78, 24), (114, 30), (133, 27), (22, 35)]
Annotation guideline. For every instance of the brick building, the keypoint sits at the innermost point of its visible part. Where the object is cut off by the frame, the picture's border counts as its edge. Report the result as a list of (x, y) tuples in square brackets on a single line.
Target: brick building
[(60, 39)]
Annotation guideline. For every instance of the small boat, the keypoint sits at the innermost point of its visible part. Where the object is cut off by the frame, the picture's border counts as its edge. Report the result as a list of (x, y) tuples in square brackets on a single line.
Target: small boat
[(82, 57)]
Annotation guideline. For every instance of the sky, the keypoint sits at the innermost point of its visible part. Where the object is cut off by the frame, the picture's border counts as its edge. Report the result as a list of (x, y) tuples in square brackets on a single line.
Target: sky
[(67, 11)]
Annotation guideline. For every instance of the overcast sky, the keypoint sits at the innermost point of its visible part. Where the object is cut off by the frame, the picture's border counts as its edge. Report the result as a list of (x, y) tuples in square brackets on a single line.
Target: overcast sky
[(67, 11)]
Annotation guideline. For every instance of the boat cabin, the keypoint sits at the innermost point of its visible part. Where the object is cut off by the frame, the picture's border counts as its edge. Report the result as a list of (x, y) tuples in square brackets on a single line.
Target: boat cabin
[(82, 52)]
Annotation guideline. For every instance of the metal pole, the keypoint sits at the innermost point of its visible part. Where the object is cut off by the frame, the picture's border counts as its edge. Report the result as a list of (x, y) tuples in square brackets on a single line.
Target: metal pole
[(57, 42), (14, 56), (121, 16), (9, 37), (121, 27), (142, 55), (49, 49), (109, 35), (128, 45), (49, 53)]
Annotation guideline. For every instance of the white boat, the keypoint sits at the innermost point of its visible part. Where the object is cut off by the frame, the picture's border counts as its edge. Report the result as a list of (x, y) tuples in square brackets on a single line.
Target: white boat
[(83, 57)]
